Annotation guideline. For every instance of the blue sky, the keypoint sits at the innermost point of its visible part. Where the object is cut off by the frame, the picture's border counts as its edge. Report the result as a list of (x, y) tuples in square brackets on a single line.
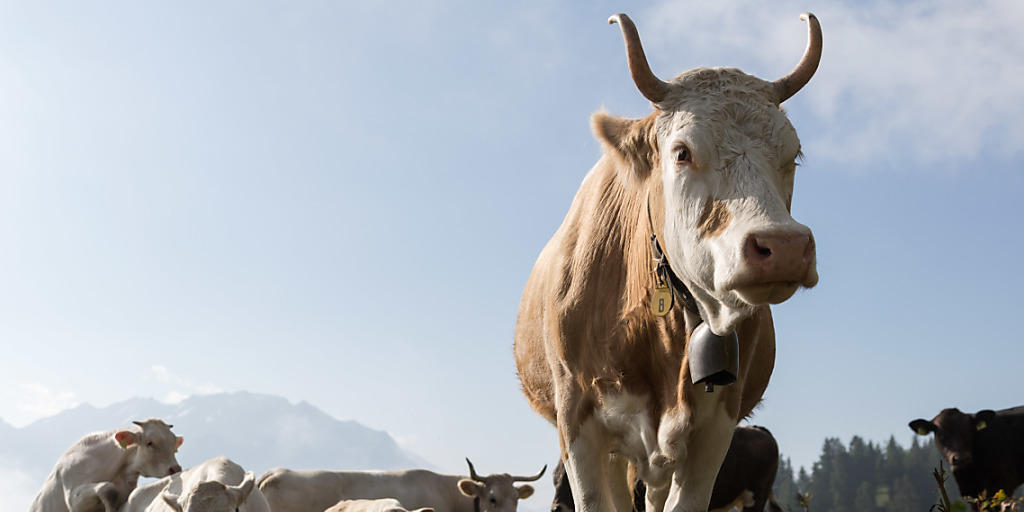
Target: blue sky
[(341, 203)]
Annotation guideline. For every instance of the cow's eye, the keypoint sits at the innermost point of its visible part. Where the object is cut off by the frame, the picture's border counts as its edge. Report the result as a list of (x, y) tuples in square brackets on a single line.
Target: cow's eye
[(683, 155), (150, 444), (493, 501)]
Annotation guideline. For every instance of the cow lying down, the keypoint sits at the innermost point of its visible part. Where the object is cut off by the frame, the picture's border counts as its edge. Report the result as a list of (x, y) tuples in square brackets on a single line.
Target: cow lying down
[(100, 470), (216, 485), (305, 491), (381, 505)]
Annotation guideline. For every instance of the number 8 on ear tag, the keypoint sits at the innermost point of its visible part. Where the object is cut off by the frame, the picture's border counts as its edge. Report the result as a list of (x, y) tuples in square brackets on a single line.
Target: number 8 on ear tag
[(661, 300)]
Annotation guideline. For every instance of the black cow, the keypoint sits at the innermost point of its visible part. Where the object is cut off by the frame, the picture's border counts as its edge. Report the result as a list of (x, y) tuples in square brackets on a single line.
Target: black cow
[(985, 450), (746, 476)]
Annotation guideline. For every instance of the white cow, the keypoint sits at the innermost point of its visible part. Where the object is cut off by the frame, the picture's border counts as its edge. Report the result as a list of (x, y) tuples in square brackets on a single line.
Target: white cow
[(101, 469), (216, 485), (305, 491), (381, 505)]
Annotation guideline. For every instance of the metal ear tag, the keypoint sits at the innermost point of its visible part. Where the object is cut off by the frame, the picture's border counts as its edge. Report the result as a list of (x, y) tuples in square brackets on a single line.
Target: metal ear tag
[(661, 299)]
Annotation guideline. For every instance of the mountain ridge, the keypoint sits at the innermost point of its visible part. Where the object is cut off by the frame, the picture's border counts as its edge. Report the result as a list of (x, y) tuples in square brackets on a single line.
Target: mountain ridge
[(259, 431)]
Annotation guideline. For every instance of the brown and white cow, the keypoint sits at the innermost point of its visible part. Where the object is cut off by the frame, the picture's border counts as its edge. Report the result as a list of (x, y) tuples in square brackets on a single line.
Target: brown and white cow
[(710, 173)]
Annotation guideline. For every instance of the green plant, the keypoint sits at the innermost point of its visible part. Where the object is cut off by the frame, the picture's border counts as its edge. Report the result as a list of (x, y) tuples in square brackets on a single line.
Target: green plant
[(944, 504), (804, 500), (999, 502)]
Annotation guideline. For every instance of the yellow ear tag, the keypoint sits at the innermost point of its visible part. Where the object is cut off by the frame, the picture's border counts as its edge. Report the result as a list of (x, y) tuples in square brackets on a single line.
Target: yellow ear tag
[(661, 300), (981, 425), (123, 442), (922, 432)]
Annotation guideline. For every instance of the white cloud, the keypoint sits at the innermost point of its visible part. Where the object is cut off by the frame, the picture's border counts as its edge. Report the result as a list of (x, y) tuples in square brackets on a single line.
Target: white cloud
[(38, 401), (178, 388), (924, 82)]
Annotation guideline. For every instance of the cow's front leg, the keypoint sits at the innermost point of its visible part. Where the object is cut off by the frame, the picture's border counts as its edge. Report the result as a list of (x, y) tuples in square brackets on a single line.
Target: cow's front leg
[(694, 478), (620, 483), (586, 465), (94, 496), (655, 497)]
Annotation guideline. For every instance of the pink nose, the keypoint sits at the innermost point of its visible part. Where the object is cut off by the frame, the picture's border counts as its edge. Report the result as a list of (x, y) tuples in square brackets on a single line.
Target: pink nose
[(779, 256)]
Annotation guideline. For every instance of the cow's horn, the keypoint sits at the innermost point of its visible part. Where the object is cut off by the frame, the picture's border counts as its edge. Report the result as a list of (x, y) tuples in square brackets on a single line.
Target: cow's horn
[(650, 86), (531, 478), (472, 472), (788, 85)]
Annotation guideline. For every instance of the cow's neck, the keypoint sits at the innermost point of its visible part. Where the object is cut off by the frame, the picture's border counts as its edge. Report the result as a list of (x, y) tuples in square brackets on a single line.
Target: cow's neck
[(665, 276), (612, 245)]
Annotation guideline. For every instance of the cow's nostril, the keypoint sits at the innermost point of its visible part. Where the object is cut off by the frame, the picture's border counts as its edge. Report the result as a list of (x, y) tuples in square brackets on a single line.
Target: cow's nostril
[(763, 251), (758, 249)]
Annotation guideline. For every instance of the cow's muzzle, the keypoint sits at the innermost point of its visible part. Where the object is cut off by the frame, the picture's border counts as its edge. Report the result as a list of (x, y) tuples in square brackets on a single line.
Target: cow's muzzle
[(774, 264)]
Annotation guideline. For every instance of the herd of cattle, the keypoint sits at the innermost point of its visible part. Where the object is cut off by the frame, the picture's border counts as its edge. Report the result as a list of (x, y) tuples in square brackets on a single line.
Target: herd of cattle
[(644, 335), (99, 473)]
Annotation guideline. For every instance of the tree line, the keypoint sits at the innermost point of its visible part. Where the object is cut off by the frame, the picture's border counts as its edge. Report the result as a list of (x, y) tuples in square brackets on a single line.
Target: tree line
[(864, 477)]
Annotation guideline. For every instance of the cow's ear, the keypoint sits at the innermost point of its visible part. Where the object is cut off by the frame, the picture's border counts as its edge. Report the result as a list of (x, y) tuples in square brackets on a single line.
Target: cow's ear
[(633, 142), (241, 491), (470, 487), (178, 441), (983, 418), (922, 427), (525, 491), (126, 438), (171, 500)]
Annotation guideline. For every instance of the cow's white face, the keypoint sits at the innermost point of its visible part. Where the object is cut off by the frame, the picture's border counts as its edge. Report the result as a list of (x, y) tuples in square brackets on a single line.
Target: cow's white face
[(153, 448), (211, 496), (724, 155), (495, 492), (727, 161)]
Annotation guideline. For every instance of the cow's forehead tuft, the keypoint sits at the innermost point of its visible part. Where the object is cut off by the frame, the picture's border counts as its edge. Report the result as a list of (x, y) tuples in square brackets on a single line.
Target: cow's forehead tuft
[(713, 85), (154, 422)]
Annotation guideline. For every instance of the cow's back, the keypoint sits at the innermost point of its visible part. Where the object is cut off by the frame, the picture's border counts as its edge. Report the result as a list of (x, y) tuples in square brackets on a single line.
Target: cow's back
[(146, 498), (93, 458), (50, 497), (302, 491), (229, 473), (381, 505), (999, 453), (750, 466)]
